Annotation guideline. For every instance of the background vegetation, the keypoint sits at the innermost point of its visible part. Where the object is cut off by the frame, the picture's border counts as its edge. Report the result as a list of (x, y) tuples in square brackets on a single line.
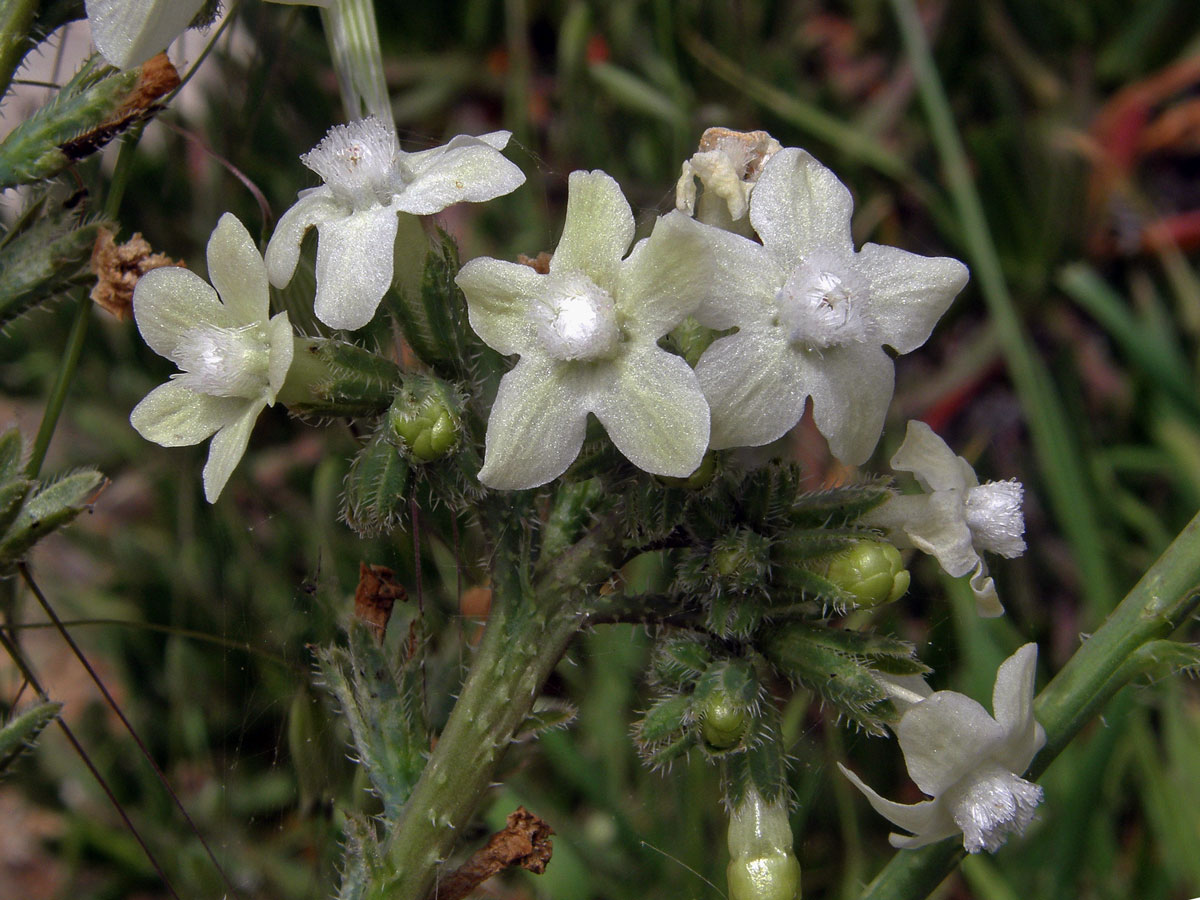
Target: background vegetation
[(1069, 363)]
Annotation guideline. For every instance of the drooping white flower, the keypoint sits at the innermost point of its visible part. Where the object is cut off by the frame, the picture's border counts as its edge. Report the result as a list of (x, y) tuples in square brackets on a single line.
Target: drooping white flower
[(957, 518), (727, 165), (233, 358), (969, 762), (587, 335), (129, 32), (813, 316), (369, 182)]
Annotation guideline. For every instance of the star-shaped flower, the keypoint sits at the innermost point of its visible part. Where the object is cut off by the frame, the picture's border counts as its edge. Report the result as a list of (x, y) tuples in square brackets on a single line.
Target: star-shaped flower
[(968, 762), (813, 316), (957, 518), (587, 335), (129, 32), (369, 181), (234, 359)]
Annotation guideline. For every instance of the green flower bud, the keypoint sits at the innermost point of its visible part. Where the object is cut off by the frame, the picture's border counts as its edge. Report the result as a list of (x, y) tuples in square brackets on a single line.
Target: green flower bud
[(871, 571), (424, 419), (761, 865), (723, 722)]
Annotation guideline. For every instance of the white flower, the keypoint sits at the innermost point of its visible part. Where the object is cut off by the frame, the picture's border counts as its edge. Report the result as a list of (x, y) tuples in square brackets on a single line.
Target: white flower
[(727, 165), (968, 762), (957, 518), (369, 181), (587, 334), (129, 32), (813, 316), (234, 359)]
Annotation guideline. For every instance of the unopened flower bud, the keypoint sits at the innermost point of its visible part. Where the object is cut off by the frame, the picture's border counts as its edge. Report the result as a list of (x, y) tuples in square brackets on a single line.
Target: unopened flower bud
[(423, 418), (723, 721), (871, 571)]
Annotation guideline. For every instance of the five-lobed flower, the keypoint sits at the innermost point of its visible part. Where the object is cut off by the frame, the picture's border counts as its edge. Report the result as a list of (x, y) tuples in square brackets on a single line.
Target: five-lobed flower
[(233, 358), (969, 762), (812, 315), (587, 335), (369, 183), (957, 518)]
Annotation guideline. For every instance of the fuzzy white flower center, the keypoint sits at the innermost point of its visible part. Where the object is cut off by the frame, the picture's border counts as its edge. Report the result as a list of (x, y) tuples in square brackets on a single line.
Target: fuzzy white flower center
[(992, 805), (995, 517), (576, 320), (225, 362), (357, 160), (824, 304)]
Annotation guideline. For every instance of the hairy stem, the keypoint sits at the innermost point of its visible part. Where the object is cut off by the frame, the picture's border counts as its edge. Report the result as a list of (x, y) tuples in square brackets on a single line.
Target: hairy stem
[(16, 17)]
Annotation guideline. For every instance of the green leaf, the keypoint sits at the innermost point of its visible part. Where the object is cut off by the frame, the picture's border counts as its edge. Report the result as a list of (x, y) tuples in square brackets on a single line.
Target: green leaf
[(21, 732), (376, 488), (51, 507), (548, 714), (42, 262)]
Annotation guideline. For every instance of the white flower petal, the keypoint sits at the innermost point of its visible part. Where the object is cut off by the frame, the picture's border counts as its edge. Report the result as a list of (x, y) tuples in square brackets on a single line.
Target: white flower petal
[(987, 601), (236, 270), (129, 32), (499, 298), (466, 169), (851, 387), (283, 347), (909, 293), (354, 266), (172, 415), (597, 231), (755, 388), (942, 532), (170, 302), (535, 428), (226, 450), (944, 737), (283, 250), (799, 206), (932, 462), (1012, 703), (655, 413), (928, 820)]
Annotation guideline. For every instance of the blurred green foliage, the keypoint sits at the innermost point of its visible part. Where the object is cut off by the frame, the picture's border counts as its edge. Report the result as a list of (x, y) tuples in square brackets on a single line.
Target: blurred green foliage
[(202, 617)]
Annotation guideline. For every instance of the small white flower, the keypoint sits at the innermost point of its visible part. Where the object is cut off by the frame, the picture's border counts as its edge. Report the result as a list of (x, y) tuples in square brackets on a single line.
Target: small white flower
[(234, 359), (968, 762), (129, 32), (813, 315), (587, 335), (369, 182), (727, 166), (957, 518)]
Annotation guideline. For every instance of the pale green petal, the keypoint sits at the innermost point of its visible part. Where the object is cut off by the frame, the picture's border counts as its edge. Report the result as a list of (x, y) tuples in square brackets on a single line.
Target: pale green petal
[(1012, 702), (354, 266), (944, 738), (535, 429), (598, 229), (499, 296), (283, 250), (129, 32), (851, 387), (799, 206), (654, 412), (753, 388), (172, 301), (929, 458), (909, 293), (174, 416), (226, 450), (928, 820), (687, 268), (467, 169), (283, 347), (236, 270)]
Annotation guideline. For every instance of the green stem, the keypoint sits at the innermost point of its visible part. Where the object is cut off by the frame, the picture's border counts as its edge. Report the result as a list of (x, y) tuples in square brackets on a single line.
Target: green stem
[(353, 38), (16, 17), (1165, 597), (1058, 455), (62, 384)]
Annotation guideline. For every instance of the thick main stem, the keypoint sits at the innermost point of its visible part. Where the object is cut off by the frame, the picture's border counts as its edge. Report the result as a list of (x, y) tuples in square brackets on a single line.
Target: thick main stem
[(525, 637)]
